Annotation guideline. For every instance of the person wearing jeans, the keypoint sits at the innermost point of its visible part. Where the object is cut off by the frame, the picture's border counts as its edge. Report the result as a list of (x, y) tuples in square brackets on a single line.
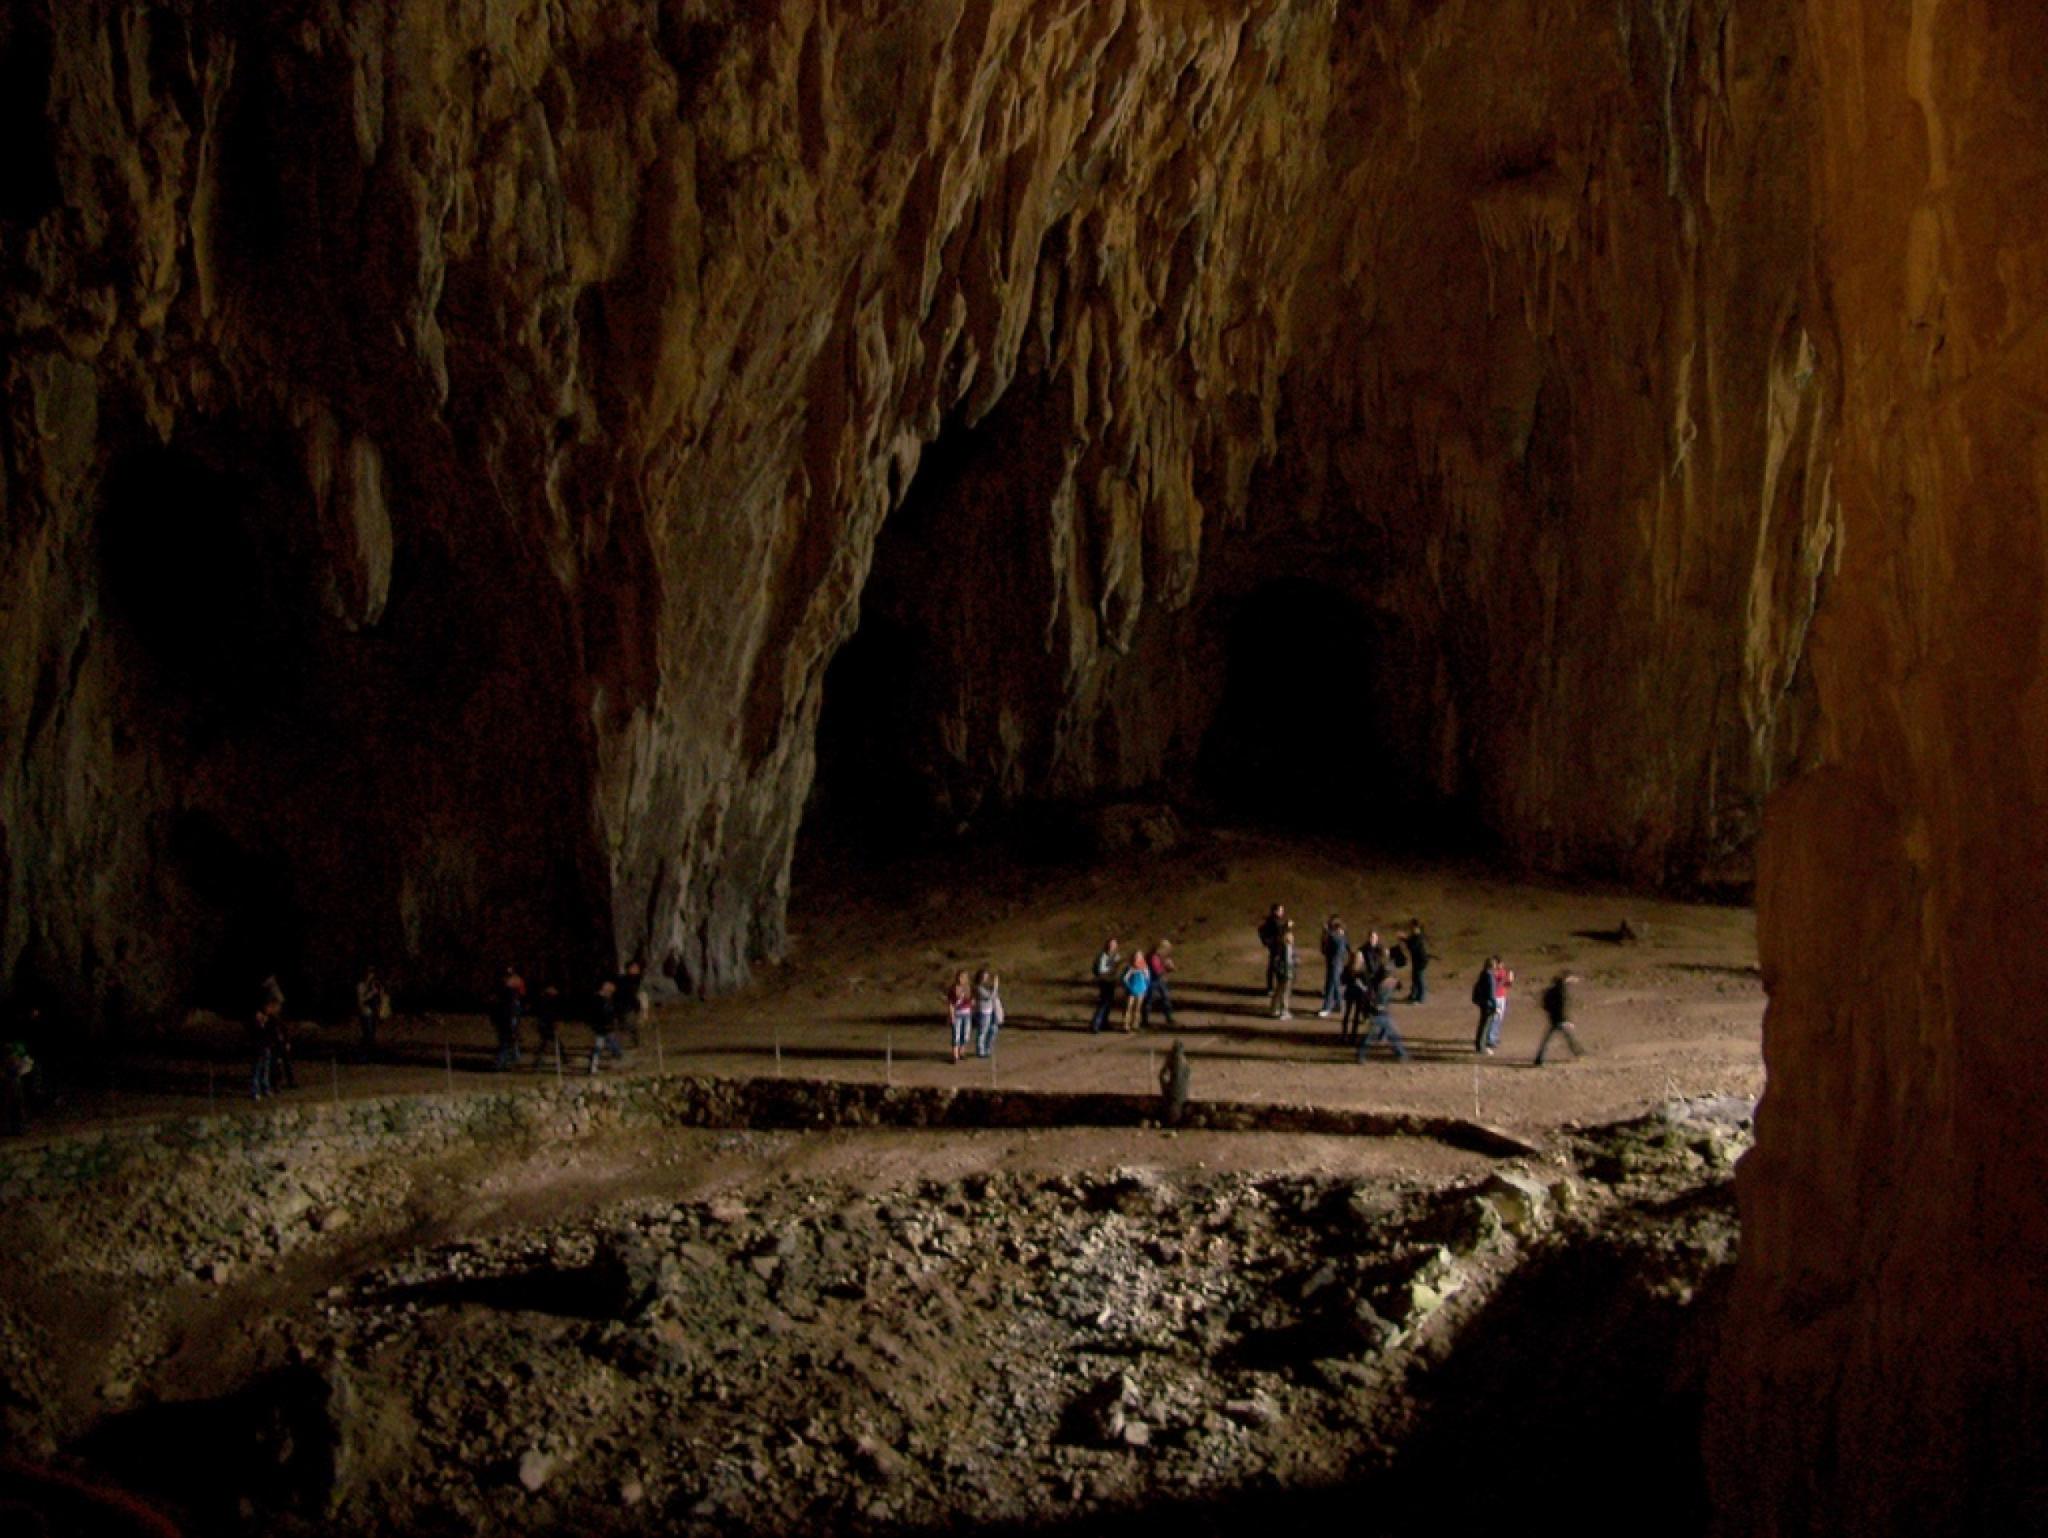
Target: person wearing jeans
[(1157, 997), (988, 1012), (1487, 997), (1336, 952), (1107, 965)]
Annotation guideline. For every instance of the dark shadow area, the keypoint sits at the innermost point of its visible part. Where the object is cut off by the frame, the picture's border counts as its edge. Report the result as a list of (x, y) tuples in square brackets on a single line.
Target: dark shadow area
[(199, 580), (273, 1446), (261, 927)]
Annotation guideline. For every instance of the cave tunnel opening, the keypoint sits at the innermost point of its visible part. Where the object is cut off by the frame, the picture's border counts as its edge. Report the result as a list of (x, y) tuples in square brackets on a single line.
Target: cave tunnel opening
[(256, 925), (949, 639), (1320, 724)]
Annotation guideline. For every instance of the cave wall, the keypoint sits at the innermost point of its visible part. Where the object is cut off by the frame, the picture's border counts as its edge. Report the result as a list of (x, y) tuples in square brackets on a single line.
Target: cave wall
[(1886, 1373), (511, 395)]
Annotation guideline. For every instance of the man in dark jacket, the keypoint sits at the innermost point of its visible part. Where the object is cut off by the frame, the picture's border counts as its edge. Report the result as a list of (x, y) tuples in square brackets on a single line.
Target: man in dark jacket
[(1418, 960), (1108, 966), (1380, 1022), (1336, 951), (1557, 1009)]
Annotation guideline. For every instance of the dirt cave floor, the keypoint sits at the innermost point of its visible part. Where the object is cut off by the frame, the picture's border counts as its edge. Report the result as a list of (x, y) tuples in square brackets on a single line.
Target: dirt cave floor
[(1677, 1012), (648, 1328)]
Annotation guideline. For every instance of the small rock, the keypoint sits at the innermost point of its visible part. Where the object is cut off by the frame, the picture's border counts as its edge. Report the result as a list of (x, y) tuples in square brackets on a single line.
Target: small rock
[(631, 1492), (536, 1468), (1258, 1410), (1522, 1201)]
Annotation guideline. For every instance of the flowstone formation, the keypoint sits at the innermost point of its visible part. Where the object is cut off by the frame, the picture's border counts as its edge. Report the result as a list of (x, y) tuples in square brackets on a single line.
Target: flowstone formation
[(445, 445)]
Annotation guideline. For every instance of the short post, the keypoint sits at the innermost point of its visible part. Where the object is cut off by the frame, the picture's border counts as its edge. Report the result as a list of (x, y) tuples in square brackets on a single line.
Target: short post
[(558, 1058), (1151, 1070), (778, 1051), (658, 1066), (889, 1058), (1475, 1093), (448, 1064), (209, 1086), (991, 1067)]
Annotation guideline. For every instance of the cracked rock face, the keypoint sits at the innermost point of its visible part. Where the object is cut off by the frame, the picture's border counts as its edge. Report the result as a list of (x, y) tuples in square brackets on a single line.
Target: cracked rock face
[(446, 446)]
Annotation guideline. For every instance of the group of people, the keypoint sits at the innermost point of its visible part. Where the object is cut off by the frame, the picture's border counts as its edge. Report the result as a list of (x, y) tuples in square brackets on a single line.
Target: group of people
[(974, 1009), (1358, 980), (616, 1007), (1130, 989)]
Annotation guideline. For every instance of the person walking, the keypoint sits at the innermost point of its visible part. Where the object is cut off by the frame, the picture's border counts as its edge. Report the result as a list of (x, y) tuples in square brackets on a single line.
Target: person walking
[(1282, 971), (1160, 964), (1108, 963), (373, 1007), (960, 1013), (508, 1008), (604, 1025), (1380, 1021), (1271, 928), (988, 1011), (1503, 983), (1336, 953), (1486, 996), (1557, 1009), (1137, 983)]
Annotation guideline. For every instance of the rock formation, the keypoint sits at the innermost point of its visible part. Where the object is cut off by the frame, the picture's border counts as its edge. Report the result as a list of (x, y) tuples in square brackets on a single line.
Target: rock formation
[(445, 444), (1886, 1373)]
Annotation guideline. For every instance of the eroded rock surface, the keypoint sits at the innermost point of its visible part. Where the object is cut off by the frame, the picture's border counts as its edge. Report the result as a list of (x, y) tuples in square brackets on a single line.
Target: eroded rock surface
[(445, 445)]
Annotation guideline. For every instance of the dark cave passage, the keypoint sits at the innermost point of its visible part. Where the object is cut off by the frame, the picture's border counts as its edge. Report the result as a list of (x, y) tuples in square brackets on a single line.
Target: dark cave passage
[(1323, 720)]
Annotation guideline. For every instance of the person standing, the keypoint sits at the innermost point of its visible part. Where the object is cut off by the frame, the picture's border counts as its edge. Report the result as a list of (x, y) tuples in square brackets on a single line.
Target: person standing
[(547, 1015), (1503, 982), (960, 1013), (1137, 983), (988, 1011), (373, 1007), (632, 999), (1174, 1081), (1484, 995), (1282, 972), (1108, 963), (1336, 952), (1418, 960), (1557, 1009), (508, 1008), (1160, 964), (266, 1028), (1357, 997), (1271, 928)]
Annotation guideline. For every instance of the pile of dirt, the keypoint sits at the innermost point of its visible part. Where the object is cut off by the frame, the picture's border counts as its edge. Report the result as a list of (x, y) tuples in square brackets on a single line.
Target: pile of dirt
[(1002, 1349)]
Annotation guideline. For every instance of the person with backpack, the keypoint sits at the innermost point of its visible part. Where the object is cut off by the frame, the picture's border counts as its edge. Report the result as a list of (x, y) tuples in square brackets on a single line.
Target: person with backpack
[(960, 1013), (1336, 953), (1282, 972), (988, 1011), (1160, 964), (1137, 983), (1557, 1009), (1486, 996), (1108, 963)]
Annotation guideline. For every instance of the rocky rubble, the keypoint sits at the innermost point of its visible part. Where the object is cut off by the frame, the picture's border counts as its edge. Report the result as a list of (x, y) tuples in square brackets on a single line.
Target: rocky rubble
[(804, 1356)]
